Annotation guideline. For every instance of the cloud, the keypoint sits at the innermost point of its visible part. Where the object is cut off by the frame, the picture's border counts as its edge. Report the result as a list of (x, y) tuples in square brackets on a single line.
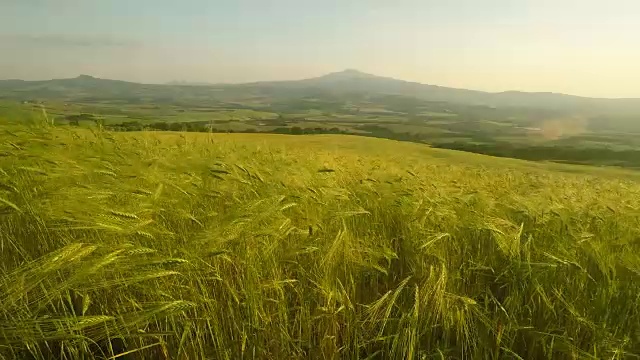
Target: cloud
[(62, 40)]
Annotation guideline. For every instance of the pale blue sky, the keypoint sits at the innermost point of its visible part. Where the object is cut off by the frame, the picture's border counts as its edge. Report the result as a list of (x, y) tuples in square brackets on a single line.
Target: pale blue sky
[(587, 47)]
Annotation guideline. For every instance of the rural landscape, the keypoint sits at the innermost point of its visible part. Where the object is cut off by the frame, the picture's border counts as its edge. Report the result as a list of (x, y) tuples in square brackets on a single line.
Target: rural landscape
[(348, 216), (531, 126)]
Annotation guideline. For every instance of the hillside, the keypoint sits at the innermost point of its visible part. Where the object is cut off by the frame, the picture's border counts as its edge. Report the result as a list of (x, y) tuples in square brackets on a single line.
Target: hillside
[(355, 81), (540, 127), (348, 82), (171, 246)]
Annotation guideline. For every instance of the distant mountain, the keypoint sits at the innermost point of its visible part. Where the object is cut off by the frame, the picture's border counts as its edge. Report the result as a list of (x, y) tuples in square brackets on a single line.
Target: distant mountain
[(341, 76), (187, 83), (355, 81), (333, 85), (81, 88)]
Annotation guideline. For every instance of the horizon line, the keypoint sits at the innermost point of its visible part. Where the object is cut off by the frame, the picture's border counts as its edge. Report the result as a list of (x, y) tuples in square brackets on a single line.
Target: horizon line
[(348, 70)]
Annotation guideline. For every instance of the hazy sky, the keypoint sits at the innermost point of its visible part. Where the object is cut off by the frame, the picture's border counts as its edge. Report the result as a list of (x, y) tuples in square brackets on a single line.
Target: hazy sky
[(583, 47)]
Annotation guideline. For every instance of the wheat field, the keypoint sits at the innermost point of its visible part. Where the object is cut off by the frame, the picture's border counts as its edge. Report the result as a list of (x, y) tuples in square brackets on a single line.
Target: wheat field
[(229, 246)]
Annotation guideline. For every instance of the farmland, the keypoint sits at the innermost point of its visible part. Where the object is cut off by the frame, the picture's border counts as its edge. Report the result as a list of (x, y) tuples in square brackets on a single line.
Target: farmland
[(566, 129), (184, 245)]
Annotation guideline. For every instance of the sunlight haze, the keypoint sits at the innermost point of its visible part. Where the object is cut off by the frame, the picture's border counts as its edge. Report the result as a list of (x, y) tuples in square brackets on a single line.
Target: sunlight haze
[(587, 48)]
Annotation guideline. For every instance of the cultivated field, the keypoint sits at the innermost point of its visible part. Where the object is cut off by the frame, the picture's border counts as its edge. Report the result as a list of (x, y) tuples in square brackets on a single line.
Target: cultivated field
[(230, 246)]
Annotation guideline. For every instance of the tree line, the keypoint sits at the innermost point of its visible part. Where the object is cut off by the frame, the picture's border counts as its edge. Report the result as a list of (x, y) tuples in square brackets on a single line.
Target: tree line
[(208, 127)]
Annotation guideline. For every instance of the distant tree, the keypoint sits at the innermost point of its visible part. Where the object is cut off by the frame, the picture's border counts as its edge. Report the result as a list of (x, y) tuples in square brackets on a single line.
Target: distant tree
[(191, 127), (131, 126), (163, 126), (99, 123)]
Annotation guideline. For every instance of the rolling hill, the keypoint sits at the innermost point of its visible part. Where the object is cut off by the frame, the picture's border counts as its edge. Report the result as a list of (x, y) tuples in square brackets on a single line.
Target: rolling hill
[(339, 84)]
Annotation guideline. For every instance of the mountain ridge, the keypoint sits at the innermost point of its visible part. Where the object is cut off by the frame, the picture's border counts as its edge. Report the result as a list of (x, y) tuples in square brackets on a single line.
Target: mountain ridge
[(344, 75), (337, 84)]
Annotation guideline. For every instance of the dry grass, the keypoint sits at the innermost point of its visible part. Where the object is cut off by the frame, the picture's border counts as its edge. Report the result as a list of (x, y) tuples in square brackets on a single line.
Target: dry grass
[(266, 246)]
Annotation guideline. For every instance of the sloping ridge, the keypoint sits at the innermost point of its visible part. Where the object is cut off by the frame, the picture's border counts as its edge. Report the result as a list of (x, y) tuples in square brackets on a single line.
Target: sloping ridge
[(353, 80), (347, 81)]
